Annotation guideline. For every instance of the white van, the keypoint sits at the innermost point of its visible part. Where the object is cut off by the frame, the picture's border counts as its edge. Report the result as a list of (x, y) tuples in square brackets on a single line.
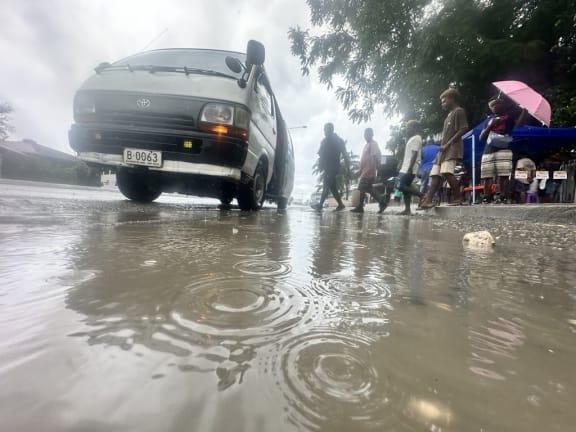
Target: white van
[(193, 121)]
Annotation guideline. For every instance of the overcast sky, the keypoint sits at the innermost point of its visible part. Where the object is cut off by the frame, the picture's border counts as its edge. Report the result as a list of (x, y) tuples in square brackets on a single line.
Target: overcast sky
[(48, 48)]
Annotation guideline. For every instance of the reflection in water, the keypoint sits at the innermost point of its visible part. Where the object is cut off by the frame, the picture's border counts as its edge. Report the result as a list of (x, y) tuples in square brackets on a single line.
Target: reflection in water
[(174, 317), (429, 413), (163, 293), (494, 337), (500, 337)]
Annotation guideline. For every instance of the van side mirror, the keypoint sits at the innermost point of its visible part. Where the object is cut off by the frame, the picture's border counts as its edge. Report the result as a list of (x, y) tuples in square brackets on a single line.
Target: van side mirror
[(234, 64), (255, 53)]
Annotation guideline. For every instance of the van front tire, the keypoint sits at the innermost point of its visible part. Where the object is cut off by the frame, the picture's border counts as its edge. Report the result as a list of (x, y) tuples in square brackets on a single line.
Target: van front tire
[(252, 193), (137, 186)]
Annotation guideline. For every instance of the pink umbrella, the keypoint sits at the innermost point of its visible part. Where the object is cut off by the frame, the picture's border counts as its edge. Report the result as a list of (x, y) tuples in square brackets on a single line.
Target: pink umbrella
[(527, 98)]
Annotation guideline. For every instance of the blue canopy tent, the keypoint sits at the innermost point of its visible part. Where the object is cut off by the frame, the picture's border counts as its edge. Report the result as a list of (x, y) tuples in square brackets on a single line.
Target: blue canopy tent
[(531, 139)]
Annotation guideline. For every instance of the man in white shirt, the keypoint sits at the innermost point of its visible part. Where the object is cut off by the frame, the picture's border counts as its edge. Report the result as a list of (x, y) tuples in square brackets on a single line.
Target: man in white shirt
[(410, 164)]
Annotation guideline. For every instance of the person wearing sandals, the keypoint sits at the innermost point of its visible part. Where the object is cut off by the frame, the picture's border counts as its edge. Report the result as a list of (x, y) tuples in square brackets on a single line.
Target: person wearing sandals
[(451, 149), (497, 156), (410, 164)]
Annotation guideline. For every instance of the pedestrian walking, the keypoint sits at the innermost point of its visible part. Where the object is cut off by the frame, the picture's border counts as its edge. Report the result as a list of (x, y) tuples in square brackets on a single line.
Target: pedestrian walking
[(451, 149), (429, 153), (410, 164), (369, 162), (332, 149)]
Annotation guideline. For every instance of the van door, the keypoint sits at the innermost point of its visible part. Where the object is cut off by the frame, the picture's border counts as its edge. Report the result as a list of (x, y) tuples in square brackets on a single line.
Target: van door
[(264, 115)]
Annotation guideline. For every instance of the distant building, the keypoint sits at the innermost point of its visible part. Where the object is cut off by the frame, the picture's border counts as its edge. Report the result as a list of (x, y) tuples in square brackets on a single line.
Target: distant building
[(30, 148), (28, 160)]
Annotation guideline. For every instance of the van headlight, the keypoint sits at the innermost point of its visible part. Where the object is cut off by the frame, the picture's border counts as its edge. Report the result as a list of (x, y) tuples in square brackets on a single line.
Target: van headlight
[(224, 119), (84, 107), (218, 113)]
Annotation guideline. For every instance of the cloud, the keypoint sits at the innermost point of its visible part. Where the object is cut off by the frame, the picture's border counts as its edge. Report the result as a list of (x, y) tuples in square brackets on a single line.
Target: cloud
[(49, 48)]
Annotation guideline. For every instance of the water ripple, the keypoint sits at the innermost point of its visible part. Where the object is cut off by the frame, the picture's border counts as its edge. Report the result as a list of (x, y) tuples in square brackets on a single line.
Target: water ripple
[(262, 268), (241, 307), (248, 252), (329, 378), (367, 292)]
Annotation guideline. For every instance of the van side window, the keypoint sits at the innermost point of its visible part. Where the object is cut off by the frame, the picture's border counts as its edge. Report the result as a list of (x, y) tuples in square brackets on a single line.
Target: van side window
[(264, 96)]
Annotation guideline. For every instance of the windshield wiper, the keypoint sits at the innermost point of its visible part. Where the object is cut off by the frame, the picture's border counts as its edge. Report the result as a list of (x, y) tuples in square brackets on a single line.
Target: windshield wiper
[(186, 70), (155, 68)]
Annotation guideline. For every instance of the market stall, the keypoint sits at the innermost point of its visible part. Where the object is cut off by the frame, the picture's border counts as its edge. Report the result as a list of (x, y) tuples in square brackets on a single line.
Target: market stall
[(538, 143)]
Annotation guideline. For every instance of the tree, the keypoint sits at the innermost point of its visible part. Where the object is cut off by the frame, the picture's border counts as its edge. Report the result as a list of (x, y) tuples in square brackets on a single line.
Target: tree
[(401, 54), (346, 177), (5, 111)]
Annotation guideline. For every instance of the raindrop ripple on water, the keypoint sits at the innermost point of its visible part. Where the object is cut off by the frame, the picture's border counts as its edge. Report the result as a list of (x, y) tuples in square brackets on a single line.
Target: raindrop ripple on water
[(241, 307), (347, 289), (328, 377)]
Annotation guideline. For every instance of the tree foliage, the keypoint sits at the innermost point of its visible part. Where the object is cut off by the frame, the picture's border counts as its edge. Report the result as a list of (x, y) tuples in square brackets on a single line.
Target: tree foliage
[(5, 111), (401, 54)]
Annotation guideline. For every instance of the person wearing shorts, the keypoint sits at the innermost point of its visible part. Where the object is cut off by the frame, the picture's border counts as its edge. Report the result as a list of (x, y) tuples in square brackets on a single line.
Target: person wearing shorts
[(429, 152), (496, 164), (410, 164), (497, 157), (451, 149)]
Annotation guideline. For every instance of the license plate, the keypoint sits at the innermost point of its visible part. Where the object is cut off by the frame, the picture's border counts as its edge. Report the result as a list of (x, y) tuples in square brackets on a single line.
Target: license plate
[(151, 158)]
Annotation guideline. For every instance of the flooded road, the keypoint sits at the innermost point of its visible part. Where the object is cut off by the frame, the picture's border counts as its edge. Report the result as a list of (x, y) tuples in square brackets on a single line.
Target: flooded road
[(179, 317)]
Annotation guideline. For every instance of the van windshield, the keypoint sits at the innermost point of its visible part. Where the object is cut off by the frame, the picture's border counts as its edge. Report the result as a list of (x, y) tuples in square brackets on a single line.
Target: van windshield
[(184, 58)]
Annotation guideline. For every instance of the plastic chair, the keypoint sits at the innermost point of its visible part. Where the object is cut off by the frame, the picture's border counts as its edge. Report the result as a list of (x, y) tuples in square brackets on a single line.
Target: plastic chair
[(532, 197)]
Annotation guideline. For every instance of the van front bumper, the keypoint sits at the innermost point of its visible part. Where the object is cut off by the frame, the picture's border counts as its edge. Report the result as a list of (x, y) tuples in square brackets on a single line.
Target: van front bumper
[(170, 166), (207, 154)]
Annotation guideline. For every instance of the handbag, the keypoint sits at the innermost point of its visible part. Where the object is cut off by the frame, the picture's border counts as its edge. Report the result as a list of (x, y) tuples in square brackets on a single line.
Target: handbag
[(498, 140)]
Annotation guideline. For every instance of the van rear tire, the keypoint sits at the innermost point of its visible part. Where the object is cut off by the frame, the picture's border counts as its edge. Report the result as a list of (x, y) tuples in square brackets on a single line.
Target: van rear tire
[(281, 203)]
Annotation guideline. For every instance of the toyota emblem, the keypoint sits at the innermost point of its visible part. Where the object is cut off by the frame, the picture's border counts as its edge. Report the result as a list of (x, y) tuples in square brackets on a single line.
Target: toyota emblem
[(143, 103)]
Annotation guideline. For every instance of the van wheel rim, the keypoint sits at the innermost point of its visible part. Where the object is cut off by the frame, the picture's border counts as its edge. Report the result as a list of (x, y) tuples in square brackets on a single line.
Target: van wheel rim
[(259, 189)]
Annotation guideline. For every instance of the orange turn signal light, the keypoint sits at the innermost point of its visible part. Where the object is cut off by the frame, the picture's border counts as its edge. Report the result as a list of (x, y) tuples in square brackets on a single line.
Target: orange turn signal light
[(219, 129), (223, 130)]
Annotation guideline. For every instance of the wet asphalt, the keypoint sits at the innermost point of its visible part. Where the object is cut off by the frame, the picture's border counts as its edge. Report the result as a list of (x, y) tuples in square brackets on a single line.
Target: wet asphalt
[(176, 316)]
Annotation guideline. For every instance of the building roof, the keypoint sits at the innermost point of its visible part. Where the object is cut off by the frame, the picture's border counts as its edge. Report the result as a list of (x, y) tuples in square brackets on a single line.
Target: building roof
[(28, 147)]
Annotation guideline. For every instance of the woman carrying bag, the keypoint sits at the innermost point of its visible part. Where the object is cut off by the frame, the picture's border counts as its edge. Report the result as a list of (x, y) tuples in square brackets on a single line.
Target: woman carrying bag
[(497, 157)]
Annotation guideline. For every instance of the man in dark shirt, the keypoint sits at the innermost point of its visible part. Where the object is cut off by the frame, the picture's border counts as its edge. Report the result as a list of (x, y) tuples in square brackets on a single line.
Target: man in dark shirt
[(331, 149)]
